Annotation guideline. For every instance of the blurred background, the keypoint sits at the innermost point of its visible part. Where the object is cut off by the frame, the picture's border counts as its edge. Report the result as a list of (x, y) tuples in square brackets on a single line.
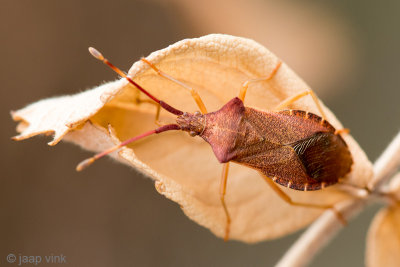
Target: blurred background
[(110, 215)]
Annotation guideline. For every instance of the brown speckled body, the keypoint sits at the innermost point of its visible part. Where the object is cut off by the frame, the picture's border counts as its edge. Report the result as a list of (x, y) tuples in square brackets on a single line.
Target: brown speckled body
[(295, 148)]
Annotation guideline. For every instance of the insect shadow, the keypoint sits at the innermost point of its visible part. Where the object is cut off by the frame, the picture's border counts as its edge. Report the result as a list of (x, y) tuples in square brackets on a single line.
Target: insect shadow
[(294, 148)]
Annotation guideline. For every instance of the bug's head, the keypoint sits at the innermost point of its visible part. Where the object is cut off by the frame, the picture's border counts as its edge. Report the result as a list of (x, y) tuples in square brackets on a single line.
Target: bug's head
[(194, 124)]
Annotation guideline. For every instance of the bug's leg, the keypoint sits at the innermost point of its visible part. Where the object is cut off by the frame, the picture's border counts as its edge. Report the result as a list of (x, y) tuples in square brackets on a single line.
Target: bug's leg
[(138, 101), (245, 85), (353, 190), (222, 193), (288, 200), (292, 99), (342, 131), (157, 119), (193, 92)]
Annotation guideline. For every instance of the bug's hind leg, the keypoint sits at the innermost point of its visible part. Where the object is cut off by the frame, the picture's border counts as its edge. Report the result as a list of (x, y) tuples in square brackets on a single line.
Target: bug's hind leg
[(288, 200), (222, 193), (193, 92), (245, 85), (287, 102)]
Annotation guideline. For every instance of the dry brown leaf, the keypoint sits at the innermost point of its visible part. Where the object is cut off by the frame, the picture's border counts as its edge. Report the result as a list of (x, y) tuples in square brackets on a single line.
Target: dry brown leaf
[(383, 240), (394, 186), (185, 168)]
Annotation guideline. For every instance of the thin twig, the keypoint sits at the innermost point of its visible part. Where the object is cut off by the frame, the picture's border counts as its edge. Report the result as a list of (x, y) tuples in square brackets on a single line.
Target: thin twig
[(327, 226), (387, 164), (319, 234)]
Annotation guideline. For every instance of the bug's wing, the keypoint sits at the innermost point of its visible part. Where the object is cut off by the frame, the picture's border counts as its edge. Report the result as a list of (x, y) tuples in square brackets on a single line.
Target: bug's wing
[(283, 165), (285, 127), (325, 156), (308, 164)]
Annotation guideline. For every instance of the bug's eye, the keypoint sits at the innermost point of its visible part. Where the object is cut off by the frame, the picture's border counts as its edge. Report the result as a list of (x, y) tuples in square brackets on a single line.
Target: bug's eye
[(192, 133), (197, 113)]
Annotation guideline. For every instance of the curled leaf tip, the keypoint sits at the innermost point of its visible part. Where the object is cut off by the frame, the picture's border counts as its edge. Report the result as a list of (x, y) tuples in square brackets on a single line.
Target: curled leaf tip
[(94, 52)]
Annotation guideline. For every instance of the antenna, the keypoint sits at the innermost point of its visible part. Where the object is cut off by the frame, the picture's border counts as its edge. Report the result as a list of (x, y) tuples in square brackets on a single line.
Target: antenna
[(90, 160), (95, 53)]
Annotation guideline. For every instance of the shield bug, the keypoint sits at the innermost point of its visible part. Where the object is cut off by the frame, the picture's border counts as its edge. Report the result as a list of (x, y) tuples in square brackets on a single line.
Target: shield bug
[(293, 148)]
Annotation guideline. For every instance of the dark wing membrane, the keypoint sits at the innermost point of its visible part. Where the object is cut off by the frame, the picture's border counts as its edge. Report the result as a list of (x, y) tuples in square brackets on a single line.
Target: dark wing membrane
[(325, 156)]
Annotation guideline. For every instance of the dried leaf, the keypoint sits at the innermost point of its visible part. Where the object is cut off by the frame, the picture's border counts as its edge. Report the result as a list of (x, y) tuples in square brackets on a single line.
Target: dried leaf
[(185, 168), (394, 186), (383, 240)]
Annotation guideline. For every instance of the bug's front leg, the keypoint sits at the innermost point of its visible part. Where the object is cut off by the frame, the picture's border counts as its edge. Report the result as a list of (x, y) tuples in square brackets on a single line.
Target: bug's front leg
[(193, 92), (222, 193), (139, 101), (245, 85)]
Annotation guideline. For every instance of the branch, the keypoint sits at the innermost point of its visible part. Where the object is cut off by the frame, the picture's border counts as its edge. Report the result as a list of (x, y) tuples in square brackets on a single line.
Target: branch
[(327, 226), (387, 164), (319, 234)]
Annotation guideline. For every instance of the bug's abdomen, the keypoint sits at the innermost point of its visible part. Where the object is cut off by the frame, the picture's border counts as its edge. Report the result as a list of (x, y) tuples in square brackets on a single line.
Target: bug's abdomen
[(309, 164), (300, 150), (324, 156)]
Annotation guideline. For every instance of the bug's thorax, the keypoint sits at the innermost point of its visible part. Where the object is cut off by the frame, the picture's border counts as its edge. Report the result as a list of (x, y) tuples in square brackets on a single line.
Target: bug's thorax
[(218, 128), (217, 124)]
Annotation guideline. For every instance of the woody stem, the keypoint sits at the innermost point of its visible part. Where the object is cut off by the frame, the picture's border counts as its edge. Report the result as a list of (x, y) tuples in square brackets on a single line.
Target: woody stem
[(387, 164)]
